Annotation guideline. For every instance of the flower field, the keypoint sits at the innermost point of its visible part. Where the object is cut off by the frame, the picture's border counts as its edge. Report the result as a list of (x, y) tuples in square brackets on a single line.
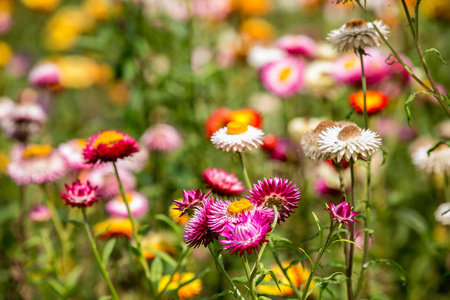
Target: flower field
[(225, 149)]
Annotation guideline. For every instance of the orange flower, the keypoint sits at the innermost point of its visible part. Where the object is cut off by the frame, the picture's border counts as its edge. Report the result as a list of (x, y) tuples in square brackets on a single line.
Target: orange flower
[(252, 7), (375, 101), (257, 29), (114, 227), (222, 116), (187, 291)]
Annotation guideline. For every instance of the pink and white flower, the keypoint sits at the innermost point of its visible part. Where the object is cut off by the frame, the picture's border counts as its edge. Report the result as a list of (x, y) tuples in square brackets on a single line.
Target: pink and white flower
[(137, 202), (222, 183), (39, 213), (80, 195), (45, 75), (72, 152), (191, 199), (161, 137), (107, 186), (196, 231), (298, 45), (284, 77)]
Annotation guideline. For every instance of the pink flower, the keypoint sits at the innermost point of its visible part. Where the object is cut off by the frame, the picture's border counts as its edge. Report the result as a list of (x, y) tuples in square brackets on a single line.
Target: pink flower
[(191, 199), (284, 77), (277, 192), (212, 10), (40, 213), (72, 152), (137, 202), (298, 44), (222, 183), (342, 212), (161, 137), (109, 146), (45, 75), (249, 232), (196, 231), (80, 195)]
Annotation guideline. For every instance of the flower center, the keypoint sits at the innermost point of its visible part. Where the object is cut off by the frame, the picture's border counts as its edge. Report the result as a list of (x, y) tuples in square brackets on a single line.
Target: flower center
[(285, 74), (108, 138), (239, 206), (37, 151), (349, 133), (324, 125), (354, 23), (236, 127), (81, 143), (273, 199), (128, 196), (350, 63)]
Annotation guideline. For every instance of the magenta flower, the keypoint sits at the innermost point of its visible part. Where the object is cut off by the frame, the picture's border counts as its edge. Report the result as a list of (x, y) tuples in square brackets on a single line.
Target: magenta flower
[(80, 195), (222, 183), (196, 231), (246, 234), (190, 200), (342, 212), (277, 192)]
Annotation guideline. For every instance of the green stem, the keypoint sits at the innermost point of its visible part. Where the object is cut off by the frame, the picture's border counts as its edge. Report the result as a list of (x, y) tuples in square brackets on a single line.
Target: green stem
[(249, 277), (185, 252), (224, 273), (97, 256), (341, 181), (316, 263), (364, 89), (244, 171), (350, 252)]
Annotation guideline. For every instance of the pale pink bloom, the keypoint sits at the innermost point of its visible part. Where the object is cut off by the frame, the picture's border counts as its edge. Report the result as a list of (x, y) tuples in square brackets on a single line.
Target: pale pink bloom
[(5, 22), (107, 186), (72, 152), (45, 75), (40, 213), (137, 202), (6, 107), (161, 137), (298, 45), (211, 10)]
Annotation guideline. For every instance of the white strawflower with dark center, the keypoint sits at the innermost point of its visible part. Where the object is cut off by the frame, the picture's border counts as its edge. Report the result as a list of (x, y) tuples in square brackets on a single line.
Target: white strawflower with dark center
[(357, 35), (237, 137), (437, 162), (348, 142)]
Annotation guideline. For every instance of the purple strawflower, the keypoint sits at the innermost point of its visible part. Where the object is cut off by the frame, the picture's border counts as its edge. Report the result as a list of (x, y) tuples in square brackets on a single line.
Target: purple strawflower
[(225, 212), (196, 231), (342, 212), (247, 233), (190, 200), (80, 195), (277, 192)]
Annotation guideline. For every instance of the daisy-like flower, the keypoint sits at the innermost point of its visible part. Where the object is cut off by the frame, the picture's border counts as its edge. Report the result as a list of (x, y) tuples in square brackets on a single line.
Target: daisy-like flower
[(196, 231), (246, 234), (442, 213), (47, 75), (180, 283), (278, 192), (191, 199), (437, 162), (40, 213), (137, 202), (357, 35), (298, 45), (348, 142), (114, 227), (284, 77), (237, 137), (107, 185), (109, 146), (375, 101), (72, 152), (80, 195), (222, 183), (161, 137), (226, 212), (37, 164), (342, 212), (222, 116)]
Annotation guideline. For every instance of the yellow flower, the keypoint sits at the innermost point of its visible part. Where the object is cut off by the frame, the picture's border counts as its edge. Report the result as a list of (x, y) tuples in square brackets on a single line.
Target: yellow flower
[(114, 227), (41, 5), (99, 9), (6, 6), (79, 72), (5, 53), (186, 291), (253, 7), (175, 215)]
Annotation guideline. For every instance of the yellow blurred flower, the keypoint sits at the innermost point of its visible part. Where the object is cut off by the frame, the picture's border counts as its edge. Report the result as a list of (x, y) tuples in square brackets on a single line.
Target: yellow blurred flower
[(5, 53), (253, 7), (114, 227), (99, 9), (438, 9), (4, 161), (6, 6), (161, 241), (175, 215), (257, 29), (41, 5), (296, 273), (186, 291)]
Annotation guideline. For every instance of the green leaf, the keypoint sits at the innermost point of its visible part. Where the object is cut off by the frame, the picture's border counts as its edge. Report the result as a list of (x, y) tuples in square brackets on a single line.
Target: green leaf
[(272, 274), (349, 115), (390, 263), (324, 280), (73, 277), (108, 250), (409, 100), (224, 293), (77, 224), (437, 145), (319, 225), (57, 287), (9, 211), (242, 279), (143, 229), (438, 54), (347, 241), (156, 271), (175, 227), (164, 256), (385, 154), (277, 238), (104, 298), (307, 256), (135, 251)]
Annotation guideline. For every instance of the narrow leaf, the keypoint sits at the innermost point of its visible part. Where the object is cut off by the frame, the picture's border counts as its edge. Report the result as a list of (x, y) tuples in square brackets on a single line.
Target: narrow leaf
[(307, 256), (409, 100), (164, 256), (57, 287), (319, 225), (175, 227), (77, 224), (438, 54), (108, 250), (156, 270), (347, 241), (73, 277), (224, 293), (437, 145)]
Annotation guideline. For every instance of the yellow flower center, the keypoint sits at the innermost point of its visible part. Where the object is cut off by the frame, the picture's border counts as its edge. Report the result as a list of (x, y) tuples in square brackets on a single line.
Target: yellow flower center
[(285, 74), (128, 196), (108, 138), (236, 127), (37, 151), (350, 63), (81, 143), (239, 206)]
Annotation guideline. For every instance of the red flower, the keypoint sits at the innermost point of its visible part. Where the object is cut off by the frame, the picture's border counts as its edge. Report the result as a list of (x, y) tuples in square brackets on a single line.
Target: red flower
[(375, 101), (222, 116)]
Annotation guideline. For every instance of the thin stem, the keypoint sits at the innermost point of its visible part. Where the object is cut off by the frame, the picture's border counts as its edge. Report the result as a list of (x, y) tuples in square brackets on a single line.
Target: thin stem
[(97, 256), (350, 252), (249, 277), (244, 171), (364, 89), (224, 273), (316, 263)]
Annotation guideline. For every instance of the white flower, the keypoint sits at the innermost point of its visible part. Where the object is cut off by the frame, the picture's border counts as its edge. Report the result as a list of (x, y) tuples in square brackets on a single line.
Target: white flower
[(258, 56), (348, 142), (357, 35), (437, 162), (237, 137), (442, 213)]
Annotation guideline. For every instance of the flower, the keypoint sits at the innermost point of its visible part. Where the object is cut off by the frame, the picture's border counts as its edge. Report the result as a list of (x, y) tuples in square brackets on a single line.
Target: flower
[(196, 231), (41, 5), (80, 195), (342, 212), (135, 162), (442, 213), (137, 202), (437, 162), (348, 142), (180, 283), (109, 146), (375, 101), (222, 116), (222, 183), (114, 227), (259, 56), (174, 214), (72, 153), (277, 192), (160, 241), (237, 137), (298, 45), (104, 178), (161, 137), (45, 75), (246, 234), (283, 77), (223, 213), (357, 35), (191, 199), (253, 7), (36, 164), (40, 213)]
